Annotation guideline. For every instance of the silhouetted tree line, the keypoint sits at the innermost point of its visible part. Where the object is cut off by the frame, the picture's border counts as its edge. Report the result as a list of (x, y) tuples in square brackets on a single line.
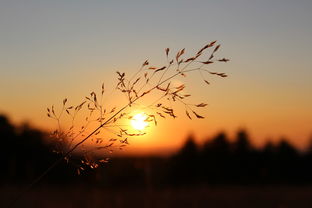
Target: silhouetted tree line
[(25, 155), (220, 161)]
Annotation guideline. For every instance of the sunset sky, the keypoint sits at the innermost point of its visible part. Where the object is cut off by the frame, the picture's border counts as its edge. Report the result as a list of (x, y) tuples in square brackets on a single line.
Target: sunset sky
[(50, 50)]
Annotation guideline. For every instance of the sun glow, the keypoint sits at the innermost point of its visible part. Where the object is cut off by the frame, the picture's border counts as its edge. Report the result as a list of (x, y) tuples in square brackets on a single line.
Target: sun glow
[(139, 122)]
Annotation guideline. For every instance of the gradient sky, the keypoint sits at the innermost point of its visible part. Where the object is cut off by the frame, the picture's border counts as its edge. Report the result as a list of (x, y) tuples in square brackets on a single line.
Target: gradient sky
[(55, 49)]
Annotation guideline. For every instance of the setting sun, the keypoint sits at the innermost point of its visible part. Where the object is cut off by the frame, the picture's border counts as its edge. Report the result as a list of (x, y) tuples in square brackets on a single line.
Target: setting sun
[(138, 121)]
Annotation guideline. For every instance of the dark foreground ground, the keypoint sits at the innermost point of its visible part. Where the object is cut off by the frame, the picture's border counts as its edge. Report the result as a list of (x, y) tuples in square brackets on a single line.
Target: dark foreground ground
[(212, 197)]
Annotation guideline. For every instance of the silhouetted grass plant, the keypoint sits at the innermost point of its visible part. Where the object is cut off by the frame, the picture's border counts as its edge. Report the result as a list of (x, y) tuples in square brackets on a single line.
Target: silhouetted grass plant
[(109, 129), (104, 128)]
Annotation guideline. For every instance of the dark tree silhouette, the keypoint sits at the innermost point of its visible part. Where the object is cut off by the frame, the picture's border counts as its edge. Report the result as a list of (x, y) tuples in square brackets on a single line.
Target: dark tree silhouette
[(242, 144), (216, 159), (185, 163), (25, 154)]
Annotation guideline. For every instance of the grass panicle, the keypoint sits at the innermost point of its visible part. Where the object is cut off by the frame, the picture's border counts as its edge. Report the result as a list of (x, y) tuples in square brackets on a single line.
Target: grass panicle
[(109, 130)]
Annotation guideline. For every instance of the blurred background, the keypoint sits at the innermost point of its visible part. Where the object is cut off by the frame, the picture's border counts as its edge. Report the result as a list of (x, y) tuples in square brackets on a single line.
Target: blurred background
[(253, 149)]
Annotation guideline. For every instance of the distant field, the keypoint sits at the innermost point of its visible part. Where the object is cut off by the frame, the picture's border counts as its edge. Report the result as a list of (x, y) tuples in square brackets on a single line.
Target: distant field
[(211, 197)]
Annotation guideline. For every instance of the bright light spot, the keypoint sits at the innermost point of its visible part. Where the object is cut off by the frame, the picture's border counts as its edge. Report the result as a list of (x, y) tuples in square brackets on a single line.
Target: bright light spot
[(138, 121)]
